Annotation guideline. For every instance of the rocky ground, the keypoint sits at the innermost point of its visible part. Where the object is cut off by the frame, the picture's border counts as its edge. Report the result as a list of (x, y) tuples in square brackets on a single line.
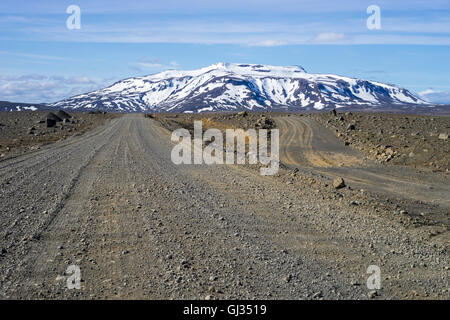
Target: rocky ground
[(242, 120), (424, 199), (138, 226), (28, 130), (427, 220), (419, 141)]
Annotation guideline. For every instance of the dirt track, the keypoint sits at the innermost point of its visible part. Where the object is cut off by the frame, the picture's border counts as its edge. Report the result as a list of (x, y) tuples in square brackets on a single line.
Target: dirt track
[(138, 226), (304, 142)]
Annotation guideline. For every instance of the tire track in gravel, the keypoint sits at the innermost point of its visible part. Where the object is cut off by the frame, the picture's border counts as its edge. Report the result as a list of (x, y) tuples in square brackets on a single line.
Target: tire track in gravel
[(35, 179), (37, 163), (302, 139), (29, 212), (139, 226), (228, 220), (20, 161), (70, 239)]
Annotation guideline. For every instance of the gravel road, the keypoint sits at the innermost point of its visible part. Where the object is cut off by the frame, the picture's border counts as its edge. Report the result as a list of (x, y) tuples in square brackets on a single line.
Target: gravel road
[(306, 143), (139, 227)]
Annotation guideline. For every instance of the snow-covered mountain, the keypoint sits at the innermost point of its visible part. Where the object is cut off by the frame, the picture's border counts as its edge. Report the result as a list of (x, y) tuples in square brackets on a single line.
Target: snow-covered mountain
[(226, 86)]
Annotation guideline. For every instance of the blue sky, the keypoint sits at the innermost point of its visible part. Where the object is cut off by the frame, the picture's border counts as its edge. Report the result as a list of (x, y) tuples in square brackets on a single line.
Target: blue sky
[(43, 61)]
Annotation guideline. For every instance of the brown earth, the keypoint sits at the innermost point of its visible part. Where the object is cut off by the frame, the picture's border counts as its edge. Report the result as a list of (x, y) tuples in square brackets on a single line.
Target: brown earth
[(399, 139)]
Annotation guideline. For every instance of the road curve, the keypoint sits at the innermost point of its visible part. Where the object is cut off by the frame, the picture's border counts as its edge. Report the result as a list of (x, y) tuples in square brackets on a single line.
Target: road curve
[(306, 143)]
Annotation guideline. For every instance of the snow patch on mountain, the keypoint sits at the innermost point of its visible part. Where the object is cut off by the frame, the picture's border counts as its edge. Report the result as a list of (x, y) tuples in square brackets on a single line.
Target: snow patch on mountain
[(228, 86)]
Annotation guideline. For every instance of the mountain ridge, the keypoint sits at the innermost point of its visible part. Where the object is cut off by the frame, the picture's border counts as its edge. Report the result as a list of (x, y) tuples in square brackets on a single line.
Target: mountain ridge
[(236, 87), (20, 106)]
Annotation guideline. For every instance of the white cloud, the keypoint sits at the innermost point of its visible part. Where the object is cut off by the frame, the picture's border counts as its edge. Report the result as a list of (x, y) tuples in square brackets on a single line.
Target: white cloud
[(44, 89), (250, 22), (327, 37), (36, 56), (148, 65), (435, 96), (268, 43), (239, 6), (243, 30), (425, 92)]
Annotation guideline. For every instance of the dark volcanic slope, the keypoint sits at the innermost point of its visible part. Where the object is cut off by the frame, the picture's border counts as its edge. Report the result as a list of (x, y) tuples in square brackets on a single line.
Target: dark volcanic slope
[(15, 106)]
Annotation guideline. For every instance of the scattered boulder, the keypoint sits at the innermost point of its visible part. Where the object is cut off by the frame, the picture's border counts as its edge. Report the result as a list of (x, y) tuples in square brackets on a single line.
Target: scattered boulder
[(243, 114), (50, 123), (52, 116), (63, 115), (265, 123), (389, 150), (333, 112), (338, 183), (51, 119), (351, 127)]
